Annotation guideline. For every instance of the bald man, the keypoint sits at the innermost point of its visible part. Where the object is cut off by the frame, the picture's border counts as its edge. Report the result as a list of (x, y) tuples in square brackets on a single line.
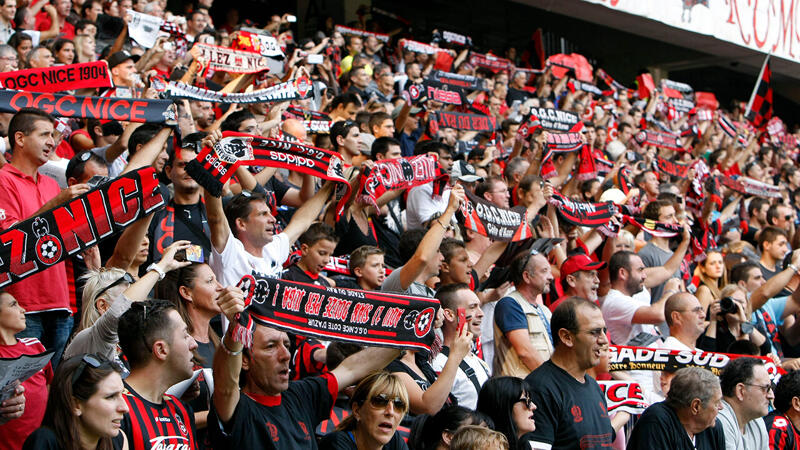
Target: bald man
[(686, 320), (296, 129)]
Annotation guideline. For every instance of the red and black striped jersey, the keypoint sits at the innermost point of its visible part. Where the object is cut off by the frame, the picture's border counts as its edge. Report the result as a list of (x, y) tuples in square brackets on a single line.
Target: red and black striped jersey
[(150, 426), (782, 433)]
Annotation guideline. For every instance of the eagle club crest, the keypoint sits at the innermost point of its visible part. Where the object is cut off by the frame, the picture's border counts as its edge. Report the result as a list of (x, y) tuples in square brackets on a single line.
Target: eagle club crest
[(303, 85), (48, 247), (235, 148)]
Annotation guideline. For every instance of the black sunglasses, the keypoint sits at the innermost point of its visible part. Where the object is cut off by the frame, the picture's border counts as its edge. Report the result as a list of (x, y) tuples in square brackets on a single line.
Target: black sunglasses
[(127, 278), (97, 362), (527, 401), (380, 401)]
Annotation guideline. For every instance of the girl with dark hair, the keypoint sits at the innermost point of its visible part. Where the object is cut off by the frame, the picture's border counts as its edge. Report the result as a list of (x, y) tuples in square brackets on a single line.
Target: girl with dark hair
[(508, 403), (64, 51), (85, 407), (435, 432), (378, 404)]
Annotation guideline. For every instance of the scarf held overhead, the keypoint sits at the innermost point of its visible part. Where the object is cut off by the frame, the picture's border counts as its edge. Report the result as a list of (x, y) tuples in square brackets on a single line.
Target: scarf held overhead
[(624, 357), (463, 81), (356, 32), (226, 59), (583, 214), (364, 317), (401, 173), (59, 78), (214, 166), (556, 119), (494, 222), (464, 121), (103, 108), (37, 243), (289, 90)]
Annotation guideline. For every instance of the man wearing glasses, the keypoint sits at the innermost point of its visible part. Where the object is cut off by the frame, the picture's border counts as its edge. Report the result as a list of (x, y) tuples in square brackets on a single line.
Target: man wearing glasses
[(571, 411), (746, 395)]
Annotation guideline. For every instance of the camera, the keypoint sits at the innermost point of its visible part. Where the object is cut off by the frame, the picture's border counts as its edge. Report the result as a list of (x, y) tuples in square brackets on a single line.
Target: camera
[(727, 306)]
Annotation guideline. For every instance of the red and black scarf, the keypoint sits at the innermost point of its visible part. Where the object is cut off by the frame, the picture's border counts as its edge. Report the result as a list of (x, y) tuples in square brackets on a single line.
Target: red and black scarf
[(39, 242), (494, 222), (93, 74), (662, 140), (401, 173), (583, 214), (464, 121), (624, 357)]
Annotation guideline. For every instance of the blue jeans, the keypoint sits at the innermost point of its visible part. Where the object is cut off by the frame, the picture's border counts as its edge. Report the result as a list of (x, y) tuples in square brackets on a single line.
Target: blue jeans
[(52, 328)]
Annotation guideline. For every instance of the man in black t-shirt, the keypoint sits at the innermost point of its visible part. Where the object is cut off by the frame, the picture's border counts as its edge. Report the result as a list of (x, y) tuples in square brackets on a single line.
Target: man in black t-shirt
[(571, 410), (269, 411), (687, 419)]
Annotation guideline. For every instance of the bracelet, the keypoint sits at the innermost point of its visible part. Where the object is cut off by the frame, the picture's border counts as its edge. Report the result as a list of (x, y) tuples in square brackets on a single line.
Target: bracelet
[(229, 351), (154, 268), (793, 267), (440, 223)]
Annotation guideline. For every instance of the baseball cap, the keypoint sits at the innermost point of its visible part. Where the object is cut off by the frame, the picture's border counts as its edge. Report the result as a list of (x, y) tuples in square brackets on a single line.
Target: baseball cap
[(120, 57), (576, 263), (464, 171)]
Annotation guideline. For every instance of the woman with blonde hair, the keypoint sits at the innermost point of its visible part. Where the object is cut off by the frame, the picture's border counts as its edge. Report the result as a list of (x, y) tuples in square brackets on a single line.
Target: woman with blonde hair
[(711, 273), (84, 48), (729, 322), (378, 404), (475, 437)]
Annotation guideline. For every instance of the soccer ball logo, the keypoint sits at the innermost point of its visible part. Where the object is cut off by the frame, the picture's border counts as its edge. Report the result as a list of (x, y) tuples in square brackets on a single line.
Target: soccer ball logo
[(424, 322), (48, 248)]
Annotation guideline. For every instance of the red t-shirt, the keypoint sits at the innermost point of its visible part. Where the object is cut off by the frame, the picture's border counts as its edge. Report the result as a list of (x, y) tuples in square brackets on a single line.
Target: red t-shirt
[(44, 22), (14, 432), (20, 197)]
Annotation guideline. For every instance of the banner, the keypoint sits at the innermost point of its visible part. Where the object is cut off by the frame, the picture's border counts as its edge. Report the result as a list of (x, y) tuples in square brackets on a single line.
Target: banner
[(364, 317), (59, 78), (289, 90), (623, 396), (229, 60), (494, 222), (464, 121), (556, 119), (356, 32), (103, 108), (41, 241), (439, 92), (463, 81), (583, 214), (624, 357), (402, 173), (19, 369), (672, 168), (214, 166)]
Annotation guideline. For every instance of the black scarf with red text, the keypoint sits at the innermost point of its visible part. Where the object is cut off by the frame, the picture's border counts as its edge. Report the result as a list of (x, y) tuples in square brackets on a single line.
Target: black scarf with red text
[(583, 214), (464, 121), (671, 168), (39, 242), (401, 173), (365, 317), (214, 166), (494, 222), (625, 357)]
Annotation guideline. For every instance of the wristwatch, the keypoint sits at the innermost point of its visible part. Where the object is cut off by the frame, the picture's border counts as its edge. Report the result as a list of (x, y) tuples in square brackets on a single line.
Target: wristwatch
[(161, 273)]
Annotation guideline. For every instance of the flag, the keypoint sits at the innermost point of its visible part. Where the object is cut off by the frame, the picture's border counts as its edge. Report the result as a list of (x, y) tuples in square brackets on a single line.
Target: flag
[(759, 109)]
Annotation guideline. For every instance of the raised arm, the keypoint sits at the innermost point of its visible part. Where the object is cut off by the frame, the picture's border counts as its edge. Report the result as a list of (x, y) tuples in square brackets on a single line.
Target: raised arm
[(308, 213), (774, 285), (658, 275), (228, 359), (149, 151)]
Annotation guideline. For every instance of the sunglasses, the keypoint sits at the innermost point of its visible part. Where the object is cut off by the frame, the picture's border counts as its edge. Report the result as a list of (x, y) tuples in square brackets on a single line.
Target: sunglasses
[(97, 362), (127, 278), (527, 401), (380, 401)]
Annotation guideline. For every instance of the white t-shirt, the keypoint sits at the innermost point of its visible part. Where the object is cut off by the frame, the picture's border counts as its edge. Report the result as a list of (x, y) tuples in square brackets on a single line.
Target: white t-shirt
[(421, 205), (463, 388), (618, 310), (234, 262)]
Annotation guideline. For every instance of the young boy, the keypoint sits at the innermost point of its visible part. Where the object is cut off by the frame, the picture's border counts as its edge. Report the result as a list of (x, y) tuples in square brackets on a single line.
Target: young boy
[(367, 266), (316, 247)]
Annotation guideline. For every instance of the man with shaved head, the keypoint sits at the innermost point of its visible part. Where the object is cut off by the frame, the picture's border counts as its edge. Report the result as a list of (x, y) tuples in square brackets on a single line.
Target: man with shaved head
[(686, 320), (296, 129)]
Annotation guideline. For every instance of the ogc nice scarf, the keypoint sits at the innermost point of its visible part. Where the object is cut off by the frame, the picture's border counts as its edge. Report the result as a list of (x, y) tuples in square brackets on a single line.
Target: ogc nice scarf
[(418, 47), (494, 222), (364, 317), (463, 81), (490, 62), (556, 119), (623, 396), (663, 140), (464, 121), (315, 122), (229, 60), (671, 168), (37, 243), (402, 173), (356, 32), (623, 357), (658, 229), (214, 166), (103, 108), (59, 78), (576, 85), (290, 90), (452, 38), (437, 91), (749, 186), (583, 214), (609, 81)]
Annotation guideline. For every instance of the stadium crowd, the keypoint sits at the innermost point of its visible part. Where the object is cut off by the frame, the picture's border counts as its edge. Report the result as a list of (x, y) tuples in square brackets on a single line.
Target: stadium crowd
[(636, 222)]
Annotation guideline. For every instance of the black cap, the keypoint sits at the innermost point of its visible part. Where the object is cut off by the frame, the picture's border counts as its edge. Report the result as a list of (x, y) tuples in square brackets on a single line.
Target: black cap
[(120, 57)]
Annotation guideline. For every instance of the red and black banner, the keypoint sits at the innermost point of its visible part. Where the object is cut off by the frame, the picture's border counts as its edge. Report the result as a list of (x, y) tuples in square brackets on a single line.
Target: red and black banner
[(759, 111), (577, 85), (671, 168), (451, 38), (443, 93), (93, 74), (609, 81), (364, 317), (583, 214), (464, 121), (749, 186), (37, 243), (491, 62), (564, 142), (103, 108), (214, 166), (658, 229), (494, 222), (662, 140), (315, 122), (454, 79), (401, 173), (556, 119), (624, 357)]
